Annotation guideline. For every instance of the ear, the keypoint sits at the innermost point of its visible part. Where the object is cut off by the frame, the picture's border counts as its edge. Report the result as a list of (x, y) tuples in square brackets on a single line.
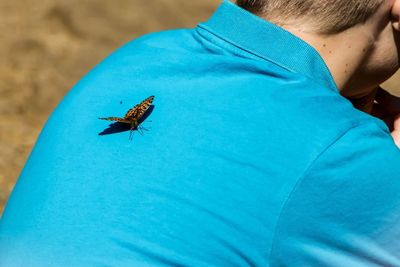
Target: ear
[(396, 15)]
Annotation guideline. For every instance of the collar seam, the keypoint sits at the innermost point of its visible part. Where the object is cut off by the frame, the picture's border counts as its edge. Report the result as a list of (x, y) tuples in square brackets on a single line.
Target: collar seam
[(250, 51), (247, 50)]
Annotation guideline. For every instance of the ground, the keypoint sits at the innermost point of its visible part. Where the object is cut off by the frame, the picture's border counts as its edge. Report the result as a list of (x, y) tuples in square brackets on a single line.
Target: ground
[(47, 45)]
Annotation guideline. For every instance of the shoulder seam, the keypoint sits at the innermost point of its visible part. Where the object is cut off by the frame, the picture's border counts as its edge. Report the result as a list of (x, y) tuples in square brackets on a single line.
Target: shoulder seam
[(301, 178)]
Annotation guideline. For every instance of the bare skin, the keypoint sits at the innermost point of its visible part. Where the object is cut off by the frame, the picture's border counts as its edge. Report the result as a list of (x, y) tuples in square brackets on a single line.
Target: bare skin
[(361, 58)]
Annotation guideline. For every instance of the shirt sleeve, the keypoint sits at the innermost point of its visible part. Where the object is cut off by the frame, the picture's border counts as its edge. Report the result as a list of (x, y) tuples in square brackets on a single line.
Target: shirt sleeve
[(345, 209)]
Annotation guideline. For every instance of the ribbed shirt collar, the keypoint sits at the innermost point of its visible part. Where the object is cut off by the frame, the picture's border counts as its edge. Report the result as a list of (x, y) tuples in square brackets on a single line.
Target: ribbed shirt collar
[(268, 41)]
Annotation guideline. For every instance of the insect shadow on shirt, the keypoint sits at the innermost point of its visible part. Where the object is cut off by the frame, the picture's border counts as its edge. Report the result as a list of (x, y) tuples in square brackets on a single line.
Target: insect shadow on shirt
[(132, 119)]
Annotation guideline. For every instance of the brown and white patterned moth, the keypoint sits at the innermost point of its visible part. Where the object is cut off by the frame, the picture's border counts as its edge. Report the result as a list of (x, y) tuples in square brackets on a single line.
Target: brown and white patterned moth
[(133, 116)]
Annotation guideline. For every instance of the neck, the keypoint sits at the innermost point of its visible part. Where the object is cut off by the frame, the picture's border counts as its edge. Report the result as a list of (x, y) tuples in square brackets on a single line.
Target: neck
[(347, 53), (343, 54)]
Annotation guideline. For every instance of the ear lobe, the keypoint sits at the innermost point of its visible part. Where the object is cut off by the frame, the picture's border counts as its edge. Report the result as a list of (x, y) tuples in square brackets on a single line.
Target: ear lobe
[(396, 15)]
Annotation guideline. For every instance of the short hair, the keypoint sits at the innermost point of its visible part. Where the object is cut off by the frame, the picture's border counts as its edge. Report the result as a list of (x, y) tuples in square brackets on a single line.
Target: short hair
[(324, 16)]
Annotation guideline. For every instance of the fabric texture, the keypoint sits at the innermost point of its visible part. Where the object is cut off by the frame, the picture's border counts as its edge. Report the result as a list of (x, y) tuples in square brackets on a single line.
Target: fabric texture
[(252, 158)]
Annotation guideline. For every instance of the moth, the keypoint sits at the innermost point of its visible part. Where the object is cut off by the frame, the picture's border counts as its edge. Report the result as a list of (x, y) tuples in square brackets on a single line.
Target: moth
[(134, 115)]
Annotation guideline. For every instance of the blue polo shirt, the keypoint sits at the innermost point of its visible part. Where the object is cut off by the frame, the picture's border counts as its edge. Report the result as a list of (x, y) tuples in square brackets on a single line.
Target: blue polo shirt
[(251, 158)]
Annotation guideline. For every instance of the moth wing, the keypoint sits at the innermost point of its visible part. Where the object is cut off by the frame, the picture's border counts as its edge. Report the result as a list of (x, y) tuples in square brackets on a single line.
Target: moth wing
[(132, 112), (138, 111), (113, 119)]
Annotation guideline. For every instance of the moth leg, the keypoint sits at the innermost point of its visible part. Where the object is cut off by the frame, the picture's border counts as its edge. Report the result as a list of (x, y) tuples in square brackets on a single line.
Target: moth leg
[(140, 130), (133, 126), (146, 129)]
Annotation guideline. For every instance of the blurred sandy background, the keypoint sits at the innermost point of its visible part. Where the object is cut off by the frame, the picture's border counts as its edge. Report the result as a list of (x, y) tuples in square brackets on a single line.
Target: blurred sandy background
[(47, 45)]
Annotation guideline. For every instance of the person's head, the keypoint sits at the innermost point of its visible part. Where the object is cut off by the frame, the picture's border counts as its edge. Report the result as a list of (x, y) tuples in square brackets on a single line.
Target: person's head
[(363, 25), (324, 16)]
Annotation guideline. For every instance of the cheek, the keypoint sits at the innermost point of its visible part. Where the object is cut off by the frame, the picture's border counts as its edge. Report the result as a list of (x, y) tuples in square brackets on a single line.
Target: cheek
[(384, 60)]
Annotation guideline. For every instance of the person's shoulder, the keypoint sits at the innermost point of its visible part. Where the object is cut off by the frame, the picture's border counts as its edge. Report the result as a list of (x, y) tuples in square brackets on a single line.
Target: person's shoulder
[(155, 42), (320, 109), (150, 50), (368, 140), (347, 199), (350, 129)]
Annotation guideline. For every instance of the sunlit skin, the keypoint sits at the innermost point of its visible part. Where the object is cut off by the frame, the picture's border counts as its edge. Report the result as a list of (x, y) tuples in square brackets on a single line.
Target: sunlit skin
[(363, 57)]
